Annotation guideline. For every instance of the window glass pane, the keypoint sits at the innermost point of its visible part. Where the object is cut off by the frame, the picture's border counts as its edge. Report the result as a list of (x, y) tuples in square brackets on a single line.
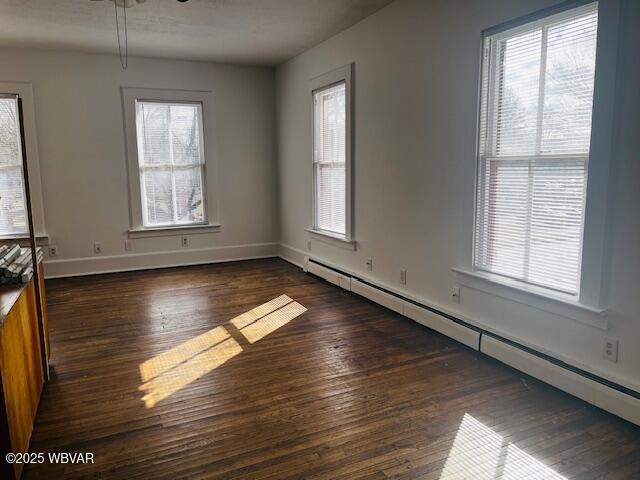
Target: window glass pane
[(12, 200), (185, 134), (330, 155), (557, 190), (568, 101), (189, 196), (155, 133), (517, 99), (158, 195), (12, 204), (331, 194), (9, 137)]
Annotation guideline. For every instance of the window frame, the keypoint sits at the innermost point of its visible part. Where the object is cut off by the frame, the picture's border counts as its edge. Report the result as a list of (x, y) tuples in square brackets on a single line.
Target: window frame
[(323, 82), (173, 167), (489, 111), (590, 306), (139, 227), (25, 91)]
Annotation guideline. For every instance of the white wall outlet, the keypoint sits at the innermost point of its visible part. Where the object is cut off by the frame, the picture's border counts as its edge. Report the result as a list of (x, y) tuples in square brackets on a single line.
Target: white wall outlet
[(185, 242), (128, 245), (455, 294), (53, 251), (97, 248), (369, 263), (403, 277), (610, 350)]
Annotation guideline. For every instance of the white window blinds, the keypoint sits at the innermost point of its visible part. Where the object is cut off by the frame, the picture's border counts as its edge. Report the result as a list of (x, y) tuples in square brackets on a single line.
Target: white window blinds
[(171, 162), (535, 130), (330, 159), (12, 196)]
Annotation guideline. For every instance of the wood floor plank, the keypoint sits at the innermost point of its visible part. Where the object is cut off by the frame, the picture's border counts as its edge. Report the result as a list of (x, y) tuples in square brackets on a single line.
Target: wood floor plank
[(346, 389)]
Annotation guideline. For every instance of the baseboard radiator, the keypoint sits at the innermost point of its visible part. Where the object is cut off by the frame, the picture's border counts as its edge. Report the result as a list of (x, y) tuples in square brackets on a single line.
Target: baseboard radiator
[(609, 396)]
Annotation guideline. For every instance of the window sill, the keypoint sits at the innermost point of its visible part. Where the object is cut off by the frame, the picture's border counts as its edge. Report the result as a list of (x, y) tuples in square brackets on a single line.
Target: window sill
[(41, 239), (174, 230), (332, 239), (534, 297)]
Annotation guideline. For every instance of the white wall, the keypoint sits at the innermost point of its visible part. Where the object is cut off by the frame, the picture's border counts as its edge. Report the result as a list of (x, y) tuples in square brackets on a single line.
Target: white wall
[(416, 75), (81, 147)]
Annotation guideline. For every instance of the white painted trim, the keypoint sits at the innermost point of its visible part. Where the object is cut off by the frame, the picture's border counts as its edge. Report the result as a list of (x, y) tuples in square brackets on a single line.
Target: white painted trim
[(332, 239), (152, 260), (174, 230), (533, 297), (320, 82), (209, 121), (293, 255), (25, 91), (607, 398)]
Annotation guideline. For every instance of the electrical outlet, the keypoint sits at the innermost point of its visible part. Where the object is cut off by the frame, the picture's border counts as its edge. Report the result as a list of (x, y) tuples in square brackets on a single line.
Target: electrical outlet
[(403, 277), (128, 245), (455, 294), (369, 263), (308, 244), (53, 251), (97, 248), (185, 242), (610, 350)]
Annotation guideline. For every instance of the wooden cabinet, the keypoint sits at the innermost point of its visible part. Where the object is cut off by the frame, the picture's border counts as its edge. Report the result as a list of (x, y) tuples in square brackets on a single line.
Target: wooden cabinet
[(21, 370)]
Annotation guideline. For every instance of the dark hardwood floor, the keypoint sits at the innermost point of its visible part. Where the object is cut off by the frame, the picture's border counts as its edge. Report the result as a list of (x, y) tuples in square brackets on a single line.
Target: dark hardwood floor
[(154, 373)]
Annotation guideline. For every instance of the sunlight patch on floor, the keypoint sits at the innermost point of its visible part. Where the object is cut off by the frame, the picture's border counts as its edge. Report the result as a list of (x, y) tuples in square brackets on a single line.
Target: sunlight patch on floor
[(183, 352), (480, 453), (171, 381), (271, 322), (168, 372), (257, 313)]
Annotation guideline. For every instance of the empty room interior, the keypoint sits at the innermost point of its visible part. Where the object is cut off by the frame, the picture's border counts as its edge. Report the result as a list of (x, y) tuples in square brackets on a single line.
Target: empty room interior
[(319, 239)]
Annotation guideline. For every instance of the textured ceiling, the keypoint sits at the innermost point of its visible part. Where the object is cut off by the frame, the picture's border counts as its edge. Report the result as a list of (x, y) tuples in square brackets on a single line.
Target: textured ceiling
[(260, 32)]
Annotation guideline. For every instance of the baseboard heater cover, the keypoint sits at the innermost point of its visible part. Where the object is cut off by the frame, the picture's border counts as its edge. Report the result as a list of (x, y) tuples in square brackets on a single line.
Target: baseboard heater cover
[(598, 391), (330, 275), (376, 295), (464, 335), (602, 396)]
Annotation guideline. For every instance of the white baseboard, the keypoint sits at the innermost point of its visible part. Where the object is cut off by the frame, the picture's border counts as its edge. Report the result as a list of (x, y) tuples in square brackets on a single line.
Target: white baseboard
[(74, 267), (607, 398), (293, 255)]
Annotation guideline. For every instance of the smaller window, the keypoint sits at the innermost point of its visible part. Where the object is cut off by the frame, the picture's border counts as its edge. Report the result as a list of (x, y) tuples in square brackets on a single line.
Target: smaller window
[(330, 158), (12, 196), (171, 163)]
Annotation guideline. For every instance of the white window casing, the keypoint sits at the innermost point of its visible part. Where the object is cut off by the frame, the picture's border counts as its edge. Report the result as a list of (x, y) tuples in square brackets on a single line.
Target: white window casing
[(331, 100)]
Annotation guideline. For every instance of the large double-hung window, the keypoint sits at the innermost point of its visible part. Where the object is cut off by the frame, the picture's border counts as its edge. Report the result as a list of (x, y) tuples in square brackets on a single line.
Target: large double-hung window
[(534, 143), (171, 163)]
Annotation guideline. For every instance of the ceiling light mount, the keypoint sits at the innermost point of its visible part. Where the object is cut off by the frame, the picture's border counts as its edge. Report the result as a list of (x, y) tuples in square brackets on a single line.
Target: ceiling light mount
[(124, 5)]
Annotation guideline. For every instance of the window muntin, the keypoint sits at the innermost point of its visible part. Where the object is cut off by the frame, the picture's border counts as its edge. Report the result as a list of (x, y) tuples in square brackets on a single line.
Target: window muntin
[(535, 131), (329, 159), (12, 194), (171, 163)]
